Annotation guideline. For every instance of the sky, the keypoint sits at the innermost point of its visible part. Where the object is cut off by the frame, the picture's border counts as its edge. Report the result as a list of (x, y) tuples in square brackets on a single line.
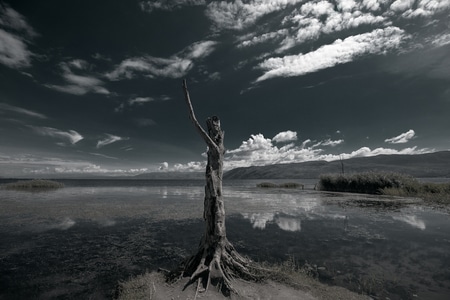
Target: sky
[(95, 87)]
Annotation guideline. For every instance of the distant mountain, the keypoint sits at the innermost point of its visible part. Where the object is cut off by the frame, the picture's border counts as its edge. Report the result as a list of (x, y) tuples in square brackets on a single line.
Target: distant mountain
[(435, 164)]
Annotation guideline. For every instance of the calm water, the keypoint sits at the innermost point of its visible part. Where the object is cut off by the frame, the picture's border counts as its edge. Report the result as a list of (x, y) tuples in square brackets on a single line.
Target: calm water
[(77, 242)]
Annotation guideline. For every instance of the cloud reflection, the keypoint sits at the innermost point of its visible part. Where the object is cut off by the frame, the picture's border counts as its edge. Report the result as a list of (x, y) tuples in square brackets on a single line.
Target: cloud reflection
[(412, 220), (260, 221)]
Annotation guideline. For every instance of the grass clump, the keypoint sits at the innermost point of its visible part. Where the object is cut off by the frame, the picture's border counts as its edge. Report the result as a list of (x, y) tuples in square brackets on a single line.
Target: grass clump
[(286, 185), (385, 183), (431, 192), (34, 184), (365, 183)]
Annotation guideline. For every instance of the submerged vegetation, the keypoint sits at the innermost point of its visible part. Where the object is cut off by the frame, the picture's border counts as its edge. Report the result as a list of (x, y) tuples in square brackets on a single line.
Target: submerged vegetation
[(35, 184), (286, 185), (385, 183)]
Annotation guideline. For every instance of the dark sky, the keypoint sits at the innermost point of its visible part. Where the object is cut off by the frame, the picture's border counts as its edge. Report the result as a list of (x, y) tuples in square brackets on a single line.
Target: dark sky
[(94, 87)]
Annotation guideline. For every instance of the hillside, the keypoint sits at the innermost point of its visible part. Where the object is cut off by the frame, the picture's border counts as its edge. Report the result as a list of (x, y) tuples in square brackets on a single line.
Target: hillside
[(435, 164)]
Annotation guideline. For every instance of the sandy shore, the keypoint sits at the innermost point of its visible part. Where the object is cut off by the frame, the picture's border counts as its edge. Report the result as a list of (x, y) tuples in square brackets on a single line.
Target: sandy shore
[(153, 286)]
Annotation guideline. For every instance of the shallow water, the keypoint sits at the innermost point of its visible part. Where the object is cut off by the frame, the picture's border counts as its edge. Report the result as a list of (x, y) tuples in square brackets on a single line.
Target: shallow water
[(80, 240)]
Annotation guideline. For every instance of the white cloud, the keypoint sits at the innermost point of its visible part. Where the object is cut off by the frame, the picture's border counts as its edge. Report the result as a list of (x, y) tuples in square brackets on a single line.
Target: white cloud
[(78, 84), (402, 138), (85, 168), (144, 122), (135, 101), (164, 166), (285, 136), (331, 143), (72, 136), (109, 140), (23, 111), (14, 51), (168, 5), (402, 5), (378, 41), (238, 15), (316, 18), (425, 8), (176, 66), (259, 151), (140, 100), (440, 40)]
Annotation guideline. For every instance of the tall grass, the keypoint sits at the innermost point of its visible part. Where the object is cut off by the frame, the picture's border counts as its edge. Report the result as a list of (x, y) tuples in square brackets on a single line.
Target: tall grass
[(286, 185), (366, 182), (385, 183), (35, 184)]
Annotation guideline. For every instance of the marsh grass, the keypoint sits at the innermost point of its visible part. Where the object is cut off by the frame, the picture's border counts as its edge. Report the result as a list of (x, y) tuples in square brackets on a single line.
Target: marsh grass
[(286, 185), (32, 185), (385, 183)]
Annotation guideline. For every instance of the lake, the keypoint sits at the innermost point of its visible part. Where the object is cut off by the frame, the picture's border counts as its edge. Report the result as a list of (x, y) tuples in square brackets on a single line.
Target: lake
[(79, 241)]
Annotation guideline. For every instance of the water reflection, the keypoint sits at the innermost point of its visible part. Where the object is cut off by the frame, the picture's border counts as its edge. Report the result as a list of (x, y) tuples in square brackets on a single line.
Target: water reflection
[(412, 220), (260, 221), (289, 224)]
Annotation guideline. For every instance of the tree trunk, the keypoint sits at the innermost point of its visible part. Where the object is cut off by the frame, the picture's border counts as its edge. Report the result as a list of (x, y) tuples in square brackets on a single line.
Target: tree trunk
[(216, 258)]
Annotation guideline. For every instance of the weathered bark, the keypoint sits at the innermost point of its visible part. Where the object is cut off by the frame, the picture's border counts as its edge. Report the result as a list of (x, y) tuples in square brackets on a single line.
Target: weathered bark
[(216, 258)]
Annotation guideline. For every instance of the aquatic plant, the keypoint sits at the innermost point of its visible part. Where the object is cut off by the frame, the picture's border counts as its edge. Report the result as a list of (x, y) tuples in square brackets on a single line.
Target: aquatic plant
[(34, 184), (366, 182), (385, 183), (290, 185), (431, 192)]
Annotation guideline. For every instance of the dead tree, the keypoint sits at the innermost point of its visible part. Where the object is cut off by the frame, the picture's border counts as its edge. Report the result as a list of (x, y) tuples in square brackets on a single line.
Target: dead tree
[(216, 258)]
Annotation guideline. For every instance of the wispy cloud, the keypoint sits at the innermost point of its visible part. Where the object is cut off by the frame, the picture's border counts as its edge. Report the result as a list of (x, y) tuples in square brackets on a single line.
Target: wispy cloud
[(38, 165), (109, 140), (331, 143), (402, 138), (140, 100), (339, 52), (144, 122), (175, 66), (78, 84), (71, 136), (168, 5), (15, 34), (241, 14), (22, 111), (134, 101)]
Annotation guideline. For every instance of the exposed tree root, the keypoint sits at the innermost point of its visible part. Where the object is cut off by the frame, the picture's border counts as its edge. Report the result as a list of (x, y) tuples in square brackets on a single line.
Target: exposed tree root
[(218, 264)]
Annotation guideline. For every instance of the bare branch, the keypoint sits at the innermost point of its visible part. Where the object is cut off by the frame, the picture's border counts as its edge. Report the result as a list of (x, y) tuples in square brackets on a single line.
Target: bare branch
[(197, 125)]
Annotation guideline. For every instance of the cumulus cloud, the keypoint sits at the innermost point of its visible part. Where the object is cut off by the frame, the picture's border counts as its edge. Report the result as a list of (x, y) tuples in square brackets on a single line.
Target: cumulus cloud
[(422, 8), (164, 166), (109, 140), (259, 150), (71, 136), (285, 136), (175, 66), (15, 34), (341, 51), (78, 84), (402, 138)]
